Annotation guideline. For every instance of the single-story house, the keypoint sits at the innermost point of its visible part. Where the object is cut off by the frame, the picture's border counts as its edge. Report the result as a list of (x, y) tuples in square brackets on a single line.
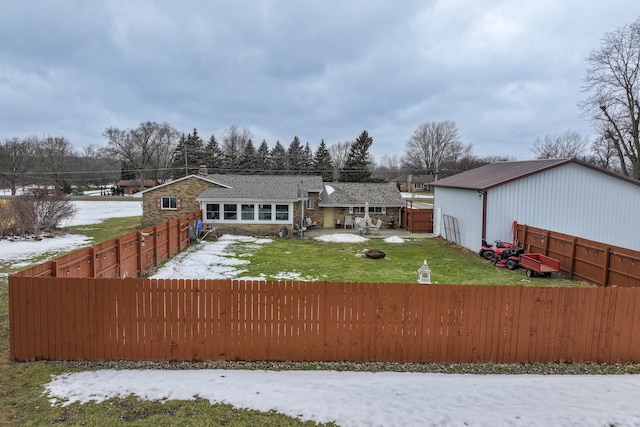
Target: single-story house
[(567, 196), (414, 183), (259, 204), (342, 199), (265, 204)]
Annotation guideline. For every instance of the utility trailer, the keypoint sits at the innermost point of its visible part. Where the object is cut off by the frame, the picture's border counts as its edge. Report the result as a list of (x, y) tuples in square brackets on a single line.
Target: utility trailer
[(539, 264)]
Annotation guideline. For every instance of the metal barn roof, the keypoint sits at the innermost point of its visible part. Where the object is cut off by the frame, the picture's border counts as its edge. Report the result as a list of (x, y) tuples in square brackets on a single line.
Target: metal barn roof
[(495, 174)]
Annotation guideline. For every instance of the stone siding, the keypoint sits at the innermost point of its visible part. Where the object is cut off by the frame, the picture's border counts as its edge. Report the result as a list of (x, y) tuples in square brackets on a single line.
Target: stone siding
[(187, 189), (250, 229)]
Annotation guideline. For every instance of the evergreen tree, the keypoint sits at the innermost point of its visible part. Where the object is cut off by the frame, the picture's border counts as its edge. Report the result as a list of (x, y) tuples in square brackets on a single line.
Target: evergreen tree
[(322, 163), (213, 155), (295, 159), (263, 159), (307, 156), (278, 159), (358, 166), (248, 158), (189, 155)]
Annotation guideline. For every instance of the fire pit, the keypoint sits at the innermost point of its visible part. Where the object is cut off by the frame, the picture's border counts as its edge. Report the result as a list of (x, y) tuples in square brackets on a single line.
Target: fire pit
[(375, 254)]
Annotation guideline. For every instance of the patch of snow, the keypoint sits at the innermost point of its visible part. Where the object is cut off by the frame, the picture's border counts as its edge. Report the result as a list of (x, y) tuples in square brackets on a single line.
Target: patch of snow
[(210, 260), (329, 189), (377, 399), (93, 212), (394, 239), (342, 238)]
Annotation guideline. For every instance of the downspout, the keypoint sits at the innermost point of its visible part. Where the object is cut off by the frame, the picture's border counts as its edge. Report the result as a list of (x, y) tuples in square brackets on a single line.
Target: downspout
[(483, 194)]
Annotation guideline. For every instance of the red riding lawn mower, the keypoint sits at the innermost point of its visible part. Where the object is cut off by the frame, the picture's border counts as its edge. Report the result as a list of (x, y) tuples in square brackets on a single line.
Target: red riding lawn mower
[(490, 252), (509, 258)]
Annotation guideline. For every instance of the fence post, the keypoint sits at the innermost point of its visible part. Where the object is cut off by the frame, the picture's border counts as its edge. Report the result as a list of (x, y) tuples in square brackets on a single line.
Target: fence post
[(607, 263), (118, 256), (546, 242), (93, 261), (139, 254), (574, 243)]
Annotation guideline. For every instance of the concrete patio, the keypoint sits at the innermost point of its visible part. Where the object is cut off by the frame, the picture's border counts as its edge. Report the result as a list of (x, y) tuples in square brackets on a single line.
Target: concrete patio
[(382, 233)]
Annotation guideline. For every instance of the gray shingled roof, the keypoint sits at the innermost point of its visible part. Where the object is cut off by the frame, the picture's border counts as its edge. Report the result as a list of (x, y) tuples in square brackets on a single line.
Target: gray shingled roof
[(358, 193), (262, 187)]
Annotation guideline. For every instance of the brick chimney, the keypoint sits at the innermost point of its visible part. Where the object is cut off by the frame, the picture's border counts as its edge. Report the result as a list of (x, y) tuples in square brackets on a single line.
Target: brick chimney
[(202, 170)]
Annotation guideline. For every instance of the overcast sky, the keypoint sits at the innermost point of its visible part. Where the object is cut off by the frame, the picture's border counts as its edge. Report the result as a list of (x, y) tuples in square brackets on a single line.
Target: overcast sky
[(506, 72)]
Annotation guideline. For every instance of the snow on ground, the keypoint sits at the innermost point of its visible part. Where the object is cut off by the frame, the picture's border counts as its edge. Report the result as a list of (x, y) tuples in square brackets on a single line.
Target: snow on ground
[(378, 399), (348, 398), (19, 253), (93, 212), (209, 260), (342, 238)]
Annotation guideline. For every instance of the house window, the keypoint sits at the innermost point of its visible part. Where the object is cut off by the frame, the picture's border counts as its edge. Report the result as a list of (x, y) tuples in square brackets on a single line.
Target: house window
[(282, 212), (358, 209), (248, 212), (230, 212), (169, 203), (311, 203), (264, 212), (213, 211), (377, 209)]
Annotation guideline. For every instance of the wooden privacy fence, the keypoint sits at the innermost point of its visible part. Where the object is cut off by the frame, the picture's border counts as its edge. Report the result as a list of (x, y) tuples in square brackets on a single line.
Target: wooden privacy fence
[(130, 255), (417, 220), (598, 263), (188, 320)]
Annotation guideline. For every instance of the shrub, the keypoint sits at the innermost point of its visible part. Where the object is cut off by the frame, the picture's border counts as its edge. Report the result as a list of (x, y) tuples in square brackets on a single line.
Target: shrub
[(39, 211)]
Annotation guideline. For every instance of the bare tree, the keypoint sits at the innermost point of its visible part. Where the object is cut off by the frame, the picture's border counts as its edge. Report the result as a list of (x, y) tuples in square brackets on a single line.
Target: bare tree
[(96, 167), (560, 146), (15, 157), (55, 155), (147, 150), (432, 144), (234, 143), (339, 155), (388, 167), (613, 87)]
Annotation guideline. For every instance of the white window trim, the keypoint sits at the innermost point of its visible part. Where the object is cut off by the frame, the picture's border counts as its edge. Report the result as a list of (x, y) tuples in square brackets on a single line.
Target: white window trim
[(162, 199), (256, 205)]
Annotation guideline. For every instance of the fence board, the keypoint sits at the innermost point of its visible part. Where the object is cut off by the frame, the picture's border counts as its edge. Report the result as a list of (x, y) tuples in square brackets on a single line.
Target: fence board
[(142, 319)]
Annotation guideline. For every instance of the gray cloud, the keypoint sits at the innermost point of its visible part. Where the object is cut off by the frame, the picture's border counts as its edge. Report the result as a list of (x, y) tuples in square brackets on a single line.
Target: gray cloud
[(506, 72)]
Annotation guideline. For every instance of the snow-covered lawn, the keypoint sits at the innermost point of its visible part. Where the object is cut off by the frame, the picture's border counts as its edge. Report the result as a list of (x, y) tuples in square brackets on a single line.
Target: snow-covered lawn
[(379, 399), (348, 398), (20, 253)]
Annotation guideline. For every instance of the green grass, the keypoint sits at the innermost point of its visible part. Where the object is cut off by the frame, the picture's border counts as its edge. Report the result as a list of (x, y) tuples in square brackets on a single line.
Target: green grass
[(22, 402), (347, 262), (22, 399), (109, 229)]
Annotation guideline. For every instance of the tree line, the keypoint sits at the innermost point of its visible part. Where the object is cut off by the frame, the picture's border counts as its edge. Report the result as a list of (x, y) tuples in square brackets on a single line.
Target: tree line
[(159, 152)]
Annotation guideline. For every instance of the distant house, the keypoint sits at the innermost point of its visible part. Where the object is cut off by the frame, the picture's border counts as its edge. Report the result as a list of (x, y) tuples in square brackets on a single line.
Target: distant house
[(414, 183), (264, 204), (340, 199), (130, 186), (566, 196)]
